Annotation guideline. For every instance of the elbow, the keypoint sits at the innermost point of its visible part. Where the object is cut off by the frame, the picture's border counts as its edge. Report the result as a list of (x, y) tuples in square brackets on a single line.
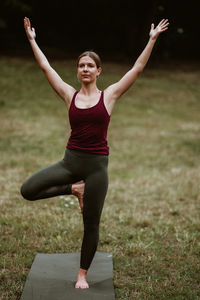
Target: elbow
[(139, 68), (44, 66)]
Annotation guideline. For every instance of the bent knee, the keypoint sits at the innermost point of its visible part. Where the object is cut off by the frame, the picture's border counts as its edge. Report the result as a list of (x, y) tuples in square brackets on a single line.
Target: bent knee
[(26, 194)]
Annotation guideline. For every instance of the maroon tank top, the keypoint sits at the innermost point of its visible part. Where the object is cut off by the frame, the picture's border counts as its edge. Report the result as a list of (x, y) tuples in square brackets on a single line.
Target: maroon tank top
[(89, 127)]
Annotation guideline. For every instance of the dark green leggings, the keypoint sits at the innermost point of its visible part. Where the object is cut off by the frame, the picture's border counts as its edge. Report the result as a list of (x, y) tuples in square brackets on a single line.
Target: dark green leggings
[(57, 179)]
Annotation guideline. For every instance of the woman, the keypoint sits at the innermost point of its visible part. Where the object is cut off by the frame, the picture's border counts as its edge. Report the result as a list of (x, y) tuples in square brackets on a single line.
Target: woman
[(83, 170)]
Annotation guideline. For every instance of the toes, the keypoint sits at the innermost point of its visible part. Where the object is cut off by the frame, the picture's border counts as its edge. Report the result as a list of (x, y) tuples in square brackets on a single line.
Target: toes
[(80, 286)]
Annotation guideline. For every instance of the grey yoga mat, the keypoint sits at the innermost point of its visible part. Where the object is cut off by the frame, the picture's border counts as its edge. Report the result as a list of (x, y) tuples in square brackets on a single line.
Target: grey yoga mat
[(53, 276)]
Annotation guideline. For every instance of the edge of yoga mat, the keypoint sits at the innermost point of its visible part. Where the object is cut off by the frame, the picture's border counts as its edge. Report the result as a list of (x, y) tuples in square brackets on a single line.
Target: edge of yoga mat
[(53, 276)]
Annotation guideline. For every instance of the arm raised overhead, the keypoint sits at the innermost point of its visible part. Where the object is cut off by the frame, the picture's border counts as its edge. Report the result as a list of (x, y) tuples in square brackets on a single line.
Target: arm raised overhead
[(64, 90)]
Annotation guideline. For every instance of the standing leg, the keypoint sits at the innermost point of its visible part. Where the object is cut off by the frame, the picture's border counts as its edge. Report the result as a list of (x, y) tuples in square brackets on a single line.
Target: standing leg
[(95, 191)]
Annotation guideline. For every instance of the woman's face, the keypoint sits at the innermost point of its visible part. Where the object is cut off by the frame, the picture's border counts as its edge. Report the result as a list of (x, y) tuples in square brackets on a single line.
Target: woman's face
[(87, 70)]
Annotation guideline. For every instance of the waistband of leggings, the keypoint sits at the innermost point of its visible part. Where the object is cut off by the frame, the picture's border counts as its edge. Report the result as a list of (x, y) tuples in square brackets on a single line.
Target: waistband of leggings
[(85, 154)]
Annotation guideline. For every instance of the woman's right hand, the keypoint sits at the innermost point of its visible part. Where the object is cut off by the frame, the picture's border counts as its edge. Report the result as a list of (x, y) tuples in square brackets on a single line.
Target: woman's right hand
[(30, 32)]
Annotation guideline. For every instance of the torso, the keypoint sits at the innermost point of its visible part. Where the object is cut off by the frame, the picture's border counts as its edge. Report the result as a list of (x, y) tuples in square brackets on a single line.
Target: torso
[(89, 124)]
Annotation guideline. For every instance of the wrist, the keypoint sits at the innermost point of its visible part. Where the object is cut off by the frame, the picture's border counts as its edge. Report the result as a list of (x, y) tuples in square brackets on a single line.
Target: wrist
[(153, 39), (31, 41)]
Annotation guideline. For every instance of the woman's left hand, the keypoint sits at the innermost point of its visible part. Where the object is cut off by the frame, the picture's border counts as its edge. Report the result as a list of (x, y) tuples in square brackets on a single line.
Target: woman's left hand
[(162, 26)]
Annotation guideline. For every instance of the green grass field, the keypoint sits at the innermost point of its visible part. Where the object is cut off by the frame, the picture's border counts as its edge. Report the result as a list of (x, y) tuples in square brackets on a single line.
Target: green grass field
[(151, 217)]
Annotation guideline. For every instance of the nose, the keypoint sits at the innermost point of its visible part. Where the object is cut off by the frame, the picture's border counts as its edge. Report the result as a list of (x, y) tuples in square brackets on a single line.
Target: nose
[(85, 68)]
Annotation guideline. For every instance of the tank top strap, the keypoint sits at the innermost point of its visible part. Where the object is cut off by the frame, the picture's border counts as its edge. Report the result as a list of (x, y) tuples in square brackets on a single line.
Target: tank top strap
[(101, 100), (73, 99), (102, 104)]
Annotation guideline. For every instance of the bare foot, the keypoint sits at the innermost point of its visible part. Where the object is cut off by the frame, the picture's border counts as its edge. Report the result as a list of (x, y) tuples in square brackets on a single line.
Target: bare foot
[(78, 191), (81, 282)]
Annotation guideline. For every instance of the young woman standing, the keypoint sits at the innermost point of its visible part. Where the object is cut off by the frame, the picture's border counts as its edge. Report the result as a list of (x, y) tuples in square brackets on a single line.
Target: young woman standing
[(83, 170)]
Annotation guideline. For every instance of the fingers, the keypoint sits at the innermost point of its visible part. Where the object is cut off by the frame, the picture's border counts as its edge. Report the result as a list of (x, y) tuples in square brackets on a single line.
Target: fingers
[(163, 23), (163, 29), (27, 22)]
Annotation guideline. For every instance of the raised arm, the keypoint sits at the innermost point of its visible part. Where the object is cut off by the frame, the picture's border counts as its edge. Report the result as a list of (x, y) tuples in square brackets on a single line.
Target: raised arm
[(64, 90), (114, 91)]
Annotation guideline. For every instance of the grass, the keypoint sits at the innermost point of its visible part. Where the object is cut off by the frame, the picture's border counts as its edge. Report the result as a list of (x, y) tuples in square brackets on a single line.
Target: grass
[(150, 220)]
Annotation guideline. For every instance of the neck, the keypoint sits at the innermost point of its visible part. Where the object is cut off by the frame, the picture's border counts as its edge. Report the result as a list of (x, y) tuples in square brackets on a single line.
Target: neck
[(89, 89)]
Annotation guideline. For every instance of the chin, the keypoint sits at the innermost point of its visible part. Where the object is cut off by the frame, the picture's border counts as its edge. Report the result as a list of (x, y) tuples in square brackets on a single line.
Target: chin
[(86, 80)]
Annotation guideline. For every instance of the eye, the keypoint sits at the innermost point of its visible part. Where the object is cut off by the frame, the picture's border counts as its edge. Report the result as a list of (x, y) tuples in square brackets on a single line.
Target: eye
[(81, 65)]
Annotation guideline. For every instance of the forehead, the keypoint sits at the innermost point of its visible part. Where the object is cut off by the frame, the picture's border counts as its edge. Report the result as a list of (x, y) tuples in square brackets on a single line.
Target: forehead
[(86, 60)]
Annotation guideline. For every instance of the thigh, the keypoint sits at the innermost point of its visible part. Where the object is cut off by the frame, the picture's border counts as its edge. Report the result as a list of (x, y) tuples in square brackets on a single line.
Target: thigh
[(53, 175), (96, 186)]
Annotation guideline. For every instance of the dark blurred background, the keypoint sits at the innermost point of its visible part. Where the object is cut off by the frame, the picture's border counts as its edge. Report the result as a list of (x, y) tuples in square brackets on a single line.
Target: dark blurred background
[(118, 30)]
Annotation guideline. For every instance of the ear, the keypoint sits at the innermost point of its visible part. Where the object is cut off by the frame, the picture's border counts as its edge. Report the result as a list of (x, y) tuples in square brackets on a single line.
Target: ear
[(99, 71)]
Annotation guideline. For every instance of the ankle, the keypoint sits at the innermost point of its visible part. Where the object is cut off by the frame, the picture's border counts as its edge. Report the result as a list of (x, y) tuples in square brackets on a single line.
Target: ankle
[(82, 272)]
